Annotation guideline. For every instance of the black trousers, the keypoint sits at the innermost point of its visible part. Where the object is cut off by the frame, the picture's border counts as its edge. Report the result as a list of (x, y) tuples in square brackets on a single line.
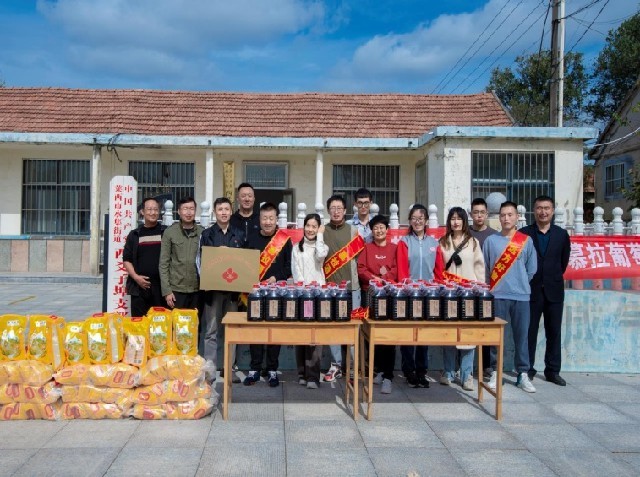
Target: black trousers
[(257, 353), (553, 332), (141, 303)]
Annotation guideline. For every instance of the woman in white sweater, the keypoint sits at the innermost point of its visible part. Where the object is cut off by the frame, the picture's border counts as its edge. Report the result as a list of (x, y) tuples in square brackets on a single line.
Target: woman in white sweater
[(463, 257), (307, 266)]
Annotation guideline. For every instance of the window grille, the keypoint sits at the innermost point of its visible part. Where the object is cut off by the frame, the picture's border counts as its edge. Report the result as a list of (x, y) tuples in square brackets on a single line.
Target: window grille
[(164, 180), (56, 197), (613, 180), (520, 176), (382, 181), (267, 175)]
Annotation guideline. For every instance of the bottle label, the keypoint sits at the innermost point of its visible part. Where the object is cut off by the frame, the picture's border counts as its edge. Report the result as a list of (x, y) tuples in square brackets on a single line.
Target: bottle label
[(434, 307), (468, 308), (401, 309), (255, 309), (452, 308), (273, 308), (325, 309), (382, 307), (487, 309), (342, 308), (417, 308), (290, 310), (307, 308)]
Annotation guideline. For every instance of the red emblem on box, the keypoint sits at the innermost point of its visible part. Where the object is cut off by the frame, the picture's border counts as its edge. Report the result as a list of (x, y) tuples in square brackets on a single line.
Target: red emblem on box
[(229, 275)]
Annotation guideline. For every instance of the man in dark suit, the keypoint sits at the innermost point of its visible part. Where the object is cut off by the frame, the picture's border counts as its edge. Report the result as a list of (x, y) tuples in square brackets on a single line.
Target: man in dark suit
[(553, 247)]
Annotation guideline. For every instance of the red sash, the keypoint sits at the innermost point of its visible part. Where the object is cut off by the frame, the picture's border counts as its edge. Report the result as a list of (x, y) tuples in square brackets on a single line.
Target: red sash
[(452, 277), (271, 251), (508, 257), (339, 259)]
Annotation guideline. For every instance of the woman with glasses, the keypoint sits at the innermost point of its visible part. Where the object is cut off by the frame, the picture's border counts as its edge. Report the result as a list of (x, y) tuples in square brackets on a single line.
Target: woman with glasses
[(418, 258), (462, 256)]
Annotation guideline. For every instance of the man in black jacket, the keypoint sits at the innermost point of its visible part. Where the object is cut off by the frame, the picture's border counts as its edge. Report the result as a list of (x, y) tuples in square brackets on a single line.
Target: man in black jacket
[(141, 256), (246, 218), (553, 248)]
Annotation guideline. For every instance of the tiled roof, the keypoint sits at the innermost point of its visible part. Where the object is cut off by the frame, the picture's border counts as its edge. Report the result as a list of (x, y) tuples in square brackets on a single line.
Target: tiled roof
[(183, 113)]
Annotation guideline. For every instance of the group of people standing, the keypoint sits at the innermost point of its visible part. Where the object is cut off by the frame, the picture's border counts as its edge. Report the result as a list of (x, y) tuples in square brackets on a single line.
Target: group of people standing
[(524, 269)]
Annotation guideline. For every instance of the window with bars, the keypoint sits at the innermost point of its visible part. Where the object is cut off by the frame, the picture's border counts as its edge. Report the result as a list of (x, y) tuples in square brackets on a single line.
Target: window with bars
[(614, 180), (56, 197), (267, 175), (520, 176), (382, 181), (164, 180)]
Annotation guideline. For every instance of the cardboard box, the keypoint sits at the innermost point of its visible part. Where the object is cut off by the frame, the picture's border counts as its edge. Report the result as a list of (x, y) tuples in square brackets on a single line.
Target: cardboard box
[(229, 269)]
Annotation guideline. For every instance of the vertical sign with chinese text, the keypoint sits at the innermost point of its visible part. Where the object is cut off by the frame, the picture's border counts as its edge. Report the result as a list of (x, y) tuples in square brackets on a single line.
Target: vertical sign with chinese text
[(123, 200)]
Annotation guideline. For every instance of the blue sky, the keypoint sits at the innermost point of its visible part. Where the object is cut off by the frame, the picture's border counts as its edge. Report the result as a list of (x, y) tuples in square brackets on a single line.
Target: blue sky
[(409, 46)]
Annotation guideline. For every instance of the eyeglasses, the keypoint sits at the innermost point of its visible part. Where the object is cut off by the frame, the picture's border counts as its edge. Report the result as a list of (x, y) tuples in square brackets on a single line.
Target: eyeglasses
[(479, 212), (363, 204), (336, 209), (417, 220)]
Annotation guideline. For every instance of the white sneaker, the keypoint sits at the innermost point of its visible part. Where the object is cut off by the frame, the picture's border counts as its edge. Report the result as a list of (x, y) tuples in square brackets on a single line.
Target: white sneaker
[(378, 378), (468, 383), (444, 380), (492, 380), (525, 384), (312, 385), (302, 382), (385, 388)]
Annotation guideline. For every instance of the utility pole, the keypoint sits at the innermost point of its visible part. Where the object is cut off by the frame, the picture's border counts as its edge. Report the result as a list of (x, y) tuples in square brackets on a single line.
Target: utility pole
[(557, 64)]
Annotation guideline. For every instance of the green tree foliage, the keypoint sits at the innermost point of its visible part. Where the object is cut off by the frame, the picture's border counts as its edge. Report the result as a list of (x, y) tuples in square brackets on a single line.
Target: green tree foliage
[(526, 91), (616, 70)]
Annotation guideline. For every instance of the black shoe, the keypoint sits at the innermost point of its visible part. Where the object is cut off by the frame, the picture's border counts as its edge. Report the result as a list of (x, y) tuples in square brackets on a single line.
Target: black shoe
[(555, 378), (412, 379), (531, 373), (423, 382)]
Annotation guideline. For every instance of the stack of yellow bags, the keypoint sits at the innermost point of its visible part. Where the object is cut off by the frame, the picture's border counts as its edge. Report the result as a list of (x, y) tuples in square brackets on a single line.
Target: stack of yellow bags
[(30, 350)]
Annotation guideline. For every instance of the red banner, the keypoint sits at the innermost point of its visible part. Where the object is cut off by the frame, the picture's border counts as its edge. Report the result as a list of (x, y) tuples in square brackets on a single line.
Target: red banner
[(602, 257)]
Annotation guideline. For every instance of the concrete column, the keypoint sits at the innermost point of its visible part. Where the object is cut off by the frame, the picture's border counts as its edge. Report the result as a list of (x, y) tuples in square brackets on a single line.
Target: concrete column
[(94, 237), (319, 178), (208, 179)]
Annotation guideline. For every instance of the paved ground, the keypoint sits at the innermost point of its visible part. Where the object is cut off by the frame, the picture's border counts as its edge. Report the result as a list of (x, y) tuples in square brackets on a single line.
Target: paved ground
[(591, 427)]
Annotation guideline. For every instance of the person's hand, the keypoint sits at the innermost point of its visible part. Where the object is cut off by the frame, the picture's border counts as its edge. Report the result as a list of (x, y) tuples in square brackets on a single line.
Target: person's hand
[(321, 229), (171, 300), (142, 281)]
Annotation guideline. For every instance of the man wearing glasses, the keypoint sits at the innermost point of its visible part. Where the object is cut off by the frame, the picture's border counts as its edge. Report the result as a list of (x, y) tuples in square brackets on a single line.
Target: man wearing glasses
[(363, 198)]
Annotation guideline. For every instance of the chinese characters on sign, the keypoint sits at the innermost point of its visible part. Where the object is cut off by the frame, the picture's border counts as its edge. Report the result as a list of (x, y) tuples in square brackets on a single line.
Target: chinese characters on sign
[(603, 257), (123, 192)]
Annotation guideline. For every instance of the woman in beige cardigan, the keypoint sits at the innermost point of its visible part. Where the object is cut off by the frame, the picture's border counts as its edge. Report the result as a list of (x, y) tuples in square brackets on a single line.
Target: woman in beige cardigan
[(463, 257)]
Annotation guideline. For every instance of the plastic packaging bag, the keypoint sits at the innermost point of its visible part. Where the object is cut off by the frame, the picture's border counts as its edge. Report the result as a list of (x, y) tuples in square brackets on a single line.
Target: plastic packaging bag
[(31, 372), (185, 332), (39, 339), (91, 410), (196, 409), (91, 393), (160, 327), (118, 375), (12, 337), (75, 344), (168, 391), (164, 368), (136, 348), (12, 393), (24, 411)]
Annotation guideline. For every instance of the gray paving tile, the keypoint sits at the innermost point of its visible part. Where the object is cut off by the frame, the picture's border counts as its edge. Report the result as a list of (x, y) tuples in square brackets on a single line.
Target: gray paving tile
[(312, 461), (321, 411), (99, 433), (583, 463), (585, 379), (398, 434), (66, 462), (588, 413), (164, 461), (28, 434), (396, 411), (256, 412), (548, 392), (401, 462), (552, 436), (615, 437), (170, 433), (243, 459), (466, 412), (611, 394), (629, 379), (12, 459), (243, 432), (630, 410), (326, 434), (528, 412), (502, 462), (479, 435), (632, 458)]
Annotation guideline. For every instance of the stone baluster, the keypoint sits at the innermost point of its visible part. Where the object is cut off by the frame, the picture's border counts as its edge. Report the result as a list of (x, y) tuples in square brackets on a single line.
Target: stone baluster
[(282, 216), (394, 221), (374, 209), (618, 224), (433, 216), (578, 221), (320, 211), (522, 221), (302, 213), (560, 219), (598, 221), (205, 213), (635, 221), (167, 218)]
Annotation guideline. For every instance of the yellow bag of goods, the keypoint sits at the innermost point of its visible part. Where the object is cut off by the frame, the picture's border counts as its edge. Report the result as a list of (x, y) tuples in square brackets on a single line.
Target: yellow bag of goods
[(20, 411), (75, 344), (97, 329), (12, 393), (164, 368), (136, 335), (90, 410), (196, 409), (31, 372), (169, 391), (12, 337), (185, 331), (39, 339), (160, 339), (116, 338), (91, 393), (76, 374), (57, 341), (118, 375)]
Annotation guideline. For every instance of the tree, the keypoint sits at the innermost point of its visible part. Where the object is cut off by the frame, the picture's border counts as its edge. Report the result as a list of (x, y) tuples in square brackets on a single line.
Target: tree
[(616, 70), (526, 91)]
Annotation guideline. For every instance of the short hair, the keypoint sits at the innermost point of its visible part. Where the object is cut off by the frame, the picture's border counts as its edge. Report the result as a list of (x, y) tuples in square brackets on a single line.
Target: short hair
[(508, 203), (268, 207), (363, 193), (186, 200), (336, 197), (245, 184), (220, 201), (479, 201), (543, 198), (379, 219), (147, 199)]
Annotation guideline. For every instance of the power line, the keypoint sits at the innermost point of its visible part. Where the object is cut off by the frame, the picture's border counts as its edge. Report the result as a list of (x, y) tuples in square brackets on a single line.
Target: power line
[(476, 41)]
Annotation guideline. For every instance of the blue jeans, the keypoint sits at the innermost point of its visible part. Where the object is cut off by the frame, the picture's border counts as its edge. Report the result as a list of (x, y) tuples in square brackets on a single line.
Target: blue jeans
[(466, 362), (419, 364), (516, 313), (336, 350)]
